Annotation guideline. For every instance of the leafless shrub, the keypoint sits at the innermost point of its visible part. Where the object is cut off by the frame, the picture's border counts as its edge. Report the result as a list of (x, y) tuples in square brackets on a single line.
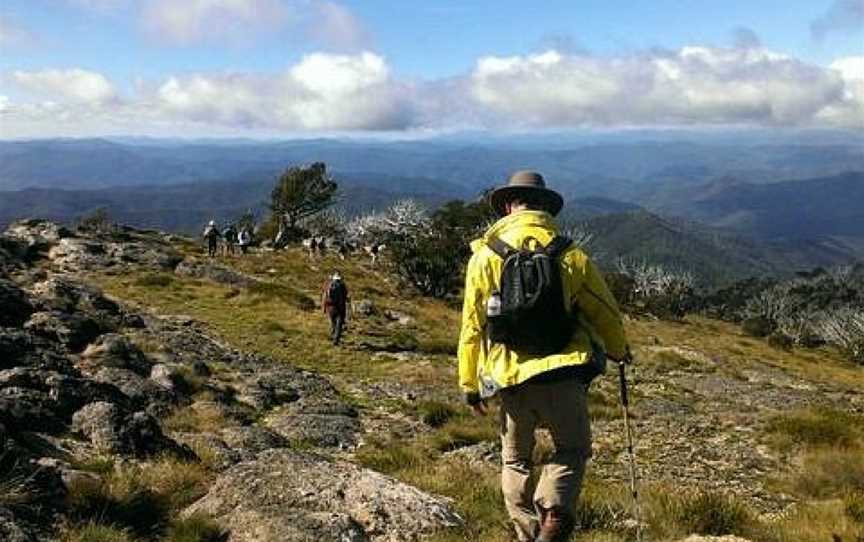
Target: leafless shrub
[(844, 328), (664, 292)]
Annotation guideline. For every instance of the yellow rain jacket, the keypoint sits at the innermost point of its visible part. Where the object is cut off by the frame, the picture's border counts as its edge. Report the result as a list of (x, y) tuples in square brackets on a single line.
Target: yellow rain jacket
[(598, 319)]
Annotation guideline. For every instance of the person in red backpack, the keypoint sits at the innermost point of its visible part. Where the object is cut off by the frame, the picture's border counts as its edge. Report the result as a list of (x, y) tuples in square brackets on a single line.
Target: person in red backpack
[(335, 301)]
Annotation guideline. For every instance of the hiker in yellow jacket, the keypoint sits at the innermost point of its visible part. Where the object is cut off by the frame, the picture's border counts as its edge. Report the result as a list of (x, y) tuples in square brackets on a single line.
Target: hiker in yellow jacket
[(549, 389)]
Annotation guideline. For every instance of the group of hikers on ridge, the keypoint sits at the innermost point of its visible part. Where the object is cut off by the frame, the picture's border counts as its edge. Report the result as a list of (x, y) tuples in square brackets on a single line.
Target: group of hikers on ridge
[(230, 236), (538, 325)]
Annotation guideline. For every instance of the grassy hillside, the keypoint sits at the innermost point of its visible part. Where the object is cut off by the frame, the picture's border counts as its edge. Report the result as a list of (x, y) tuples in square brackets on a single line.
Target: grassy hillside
[(732, 436)]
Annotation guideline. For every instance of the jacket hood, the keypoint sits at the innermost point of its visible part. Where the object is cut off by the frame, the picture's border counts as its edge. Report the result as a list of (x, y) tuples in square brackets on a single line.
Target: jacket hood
[(517, 220)]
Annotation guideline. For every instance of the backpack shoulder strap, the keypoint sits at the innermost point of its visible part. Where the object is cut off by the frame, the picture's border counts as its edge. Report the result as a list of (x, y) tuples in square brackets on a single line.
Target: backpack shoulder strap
[(557, 246), (499, 247)]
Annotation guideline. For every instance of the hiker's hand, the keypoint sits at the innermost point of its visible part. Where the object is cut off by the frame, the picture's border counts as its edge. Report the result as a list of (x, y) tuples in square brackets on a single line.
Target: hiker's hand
[(480, 409), (477, 404)]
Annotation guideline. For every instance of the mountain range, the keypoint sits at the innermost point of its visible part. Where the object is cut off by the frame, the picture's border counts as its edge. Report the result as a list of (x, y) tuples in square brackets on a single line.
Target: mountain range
[(719, 207)]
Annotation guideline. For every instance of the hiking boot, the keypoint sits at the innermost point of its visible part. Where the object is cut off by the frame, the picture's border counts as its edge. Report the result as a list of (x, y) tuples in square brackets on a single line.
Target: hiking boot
[(555, 526)]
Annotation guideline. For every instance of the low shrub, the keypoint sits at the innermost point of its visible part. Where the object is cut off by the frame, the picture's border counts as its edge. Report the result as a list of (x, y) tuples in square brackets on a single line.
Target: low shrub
[(435, 413)]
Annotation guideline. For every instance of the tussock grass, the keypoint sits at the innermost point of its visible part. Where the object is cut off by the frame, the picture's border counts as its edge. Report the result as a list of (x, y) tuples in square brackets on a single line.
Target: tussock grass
[(154, 280), (828, 473), (195, 529), (435, 413), (201, 418), (137, 499), (816, 427), (702, 513), (96, 532)]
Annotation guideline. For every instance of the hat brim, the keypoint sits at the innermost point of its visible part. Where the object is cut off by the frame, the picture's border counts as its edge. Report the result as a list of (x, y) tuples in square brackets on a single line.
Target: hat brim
[(551, 200)]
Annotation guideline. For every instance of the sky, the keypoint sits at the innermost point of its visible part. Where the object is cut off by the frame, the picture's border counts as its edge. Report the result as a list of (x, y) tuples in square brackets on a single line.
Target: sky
[(305, 68)]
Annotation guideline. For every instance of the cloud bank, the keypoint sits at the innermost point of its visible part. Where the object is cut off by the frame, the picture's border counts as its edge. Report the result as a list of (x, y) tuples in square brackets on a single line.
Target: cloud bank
[(327, 92)]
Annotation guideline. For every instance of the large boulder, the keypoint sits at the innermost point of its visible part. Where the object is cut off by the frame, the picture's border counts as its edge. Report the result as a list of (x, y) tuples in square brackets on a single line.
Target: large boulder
[(16, 307), (26, 409), (292, 496), (22, 348), (144, 393), (73, 330), (36, 236), (114, 430)]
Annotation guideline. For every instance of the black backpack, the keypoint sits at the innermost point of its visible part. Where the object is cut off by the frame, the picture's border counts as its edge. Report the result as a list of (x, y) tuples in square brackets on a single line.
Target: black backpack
[(336, 293), (528, 313)]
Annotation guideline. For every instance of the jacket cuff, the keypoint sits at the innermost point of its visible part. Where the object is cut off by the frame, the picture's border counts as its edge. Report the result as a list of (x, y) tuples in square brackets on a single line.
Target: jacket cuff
[(472, 398)]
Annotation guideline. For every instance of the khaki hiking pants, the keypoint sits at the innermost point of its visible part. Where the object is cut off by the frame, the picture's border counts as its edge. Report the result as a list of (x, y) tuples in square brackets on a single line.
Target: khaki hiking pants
[(561, 407)]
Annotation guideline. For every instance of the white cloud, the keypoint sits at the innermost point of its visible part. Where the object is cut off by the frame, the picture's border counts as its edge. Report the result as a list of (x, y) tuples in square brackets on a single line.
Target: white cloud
[(694, 85), (321, 92), (849, 111), (325, 92), (72, 85)]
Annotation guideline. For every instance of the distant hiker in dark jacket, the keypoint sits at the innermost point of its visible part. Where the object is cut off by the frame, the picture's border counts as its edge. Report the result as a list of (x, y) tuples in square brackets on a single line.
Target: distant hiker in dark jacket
[(335, 301), (230, 235), (212, 235)]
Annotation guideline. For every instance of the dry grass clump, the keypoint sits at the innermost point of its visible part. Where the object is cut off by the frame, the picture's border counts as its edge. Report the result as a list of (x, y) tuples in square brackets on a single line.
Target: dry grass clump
[(435, 413), (96, 532), (136, 500), (816, 427), (200, 417), (830, 473)]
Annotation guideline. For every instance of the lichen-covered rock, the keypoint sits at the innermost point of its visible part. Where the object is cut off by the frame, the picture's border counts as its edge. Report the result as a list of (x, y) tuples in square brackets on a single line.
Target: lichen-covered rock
[(291, 496), (252, 438), (11, 530), (111, 429), (37, 235), (20, 348), (144, 393), (16, 307), (25, 409), (73, 330), (210, 271)]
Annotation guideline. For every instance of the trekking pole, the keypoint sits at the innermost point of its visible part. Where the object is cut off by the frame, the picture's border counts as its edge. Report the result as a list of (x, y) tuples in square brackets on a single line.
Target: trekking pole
[(625, 403)]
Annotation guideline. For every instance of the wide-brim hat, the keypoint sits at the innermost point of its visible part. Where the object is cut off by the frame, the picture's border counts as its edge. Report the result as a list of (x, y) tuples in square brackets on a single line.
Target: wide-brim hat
[(526, 183)]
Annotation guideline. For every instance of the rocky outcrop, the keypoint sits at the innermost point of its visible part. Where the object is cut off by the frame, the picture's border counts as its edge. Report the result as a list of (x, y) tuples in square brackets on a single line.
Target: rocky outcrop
[(16, 306), (111, 429), (288, 495), (74, 381), (210, 271)]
